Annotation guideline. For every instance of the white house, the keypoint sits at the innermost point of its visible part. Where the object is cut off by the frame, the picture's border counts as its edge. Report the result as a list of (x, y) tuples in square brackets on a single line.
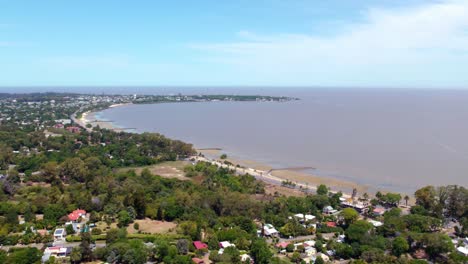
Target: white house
[(375, 223), (329, 210), (302, 217), (270, 230), (60, 234), (463, 250)]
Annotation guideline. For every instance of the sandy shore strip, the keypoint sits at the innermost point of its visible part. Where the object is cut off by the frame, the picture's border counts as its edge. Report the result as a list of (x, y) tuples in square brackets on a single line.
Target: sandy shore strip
[(265, 173), (92, 119)]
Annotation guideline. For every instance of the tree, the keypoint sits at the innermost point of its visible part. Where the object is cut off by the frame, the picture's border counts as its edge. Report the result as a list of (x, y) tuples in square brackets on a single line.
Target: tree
[(85, 247), (426, 197), (75, 255), (53, 212), (261, 254), (406, 199), (223, 156), (124, 218), (24, 256), (399, 246), (69, 229), (73, 169), (358, 230), (349, 215), (183, 246), (437, 244), (322, 189), (319, 260)]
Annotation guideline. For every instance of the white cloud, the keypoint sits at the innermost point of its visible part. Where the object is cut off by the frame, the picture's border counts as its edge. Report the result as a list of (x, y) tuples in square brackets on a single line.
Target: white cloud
[(417, 45)]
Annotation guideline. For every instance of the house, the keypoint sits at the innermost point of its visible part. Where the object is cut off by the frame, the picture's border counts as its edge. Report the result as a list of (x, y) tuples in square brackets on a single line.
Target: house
[(282, 244), (246, 258), (60, 234), (375, 223), (270, 230), (310, 251), (42, 232), (359, 206), (463, 250), (302, 217), (77, 227), (328, 210), (378, 211), (58, 252), (341, 239), (200, 245), (75, 215), (74, 129), (309, 243), (198, 261), (331, 224), (226, 244)]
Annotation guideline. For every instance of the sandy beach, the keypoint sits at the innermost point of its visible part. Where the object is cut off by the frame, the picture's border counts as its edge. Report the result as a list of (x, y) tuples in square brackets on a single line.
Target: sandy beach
[(302, 179), (94, 120)]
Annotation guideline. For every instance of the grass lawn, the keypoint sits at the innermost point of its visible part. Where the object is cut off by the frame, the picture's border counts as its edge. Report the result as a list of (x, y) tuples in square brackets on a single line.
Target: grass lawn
[(168, 169)]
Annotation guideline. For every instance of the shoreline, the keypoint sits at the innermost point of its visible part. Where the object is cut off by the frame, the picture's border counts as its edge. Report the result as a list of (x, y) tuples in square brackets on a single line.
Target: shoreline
[(259, 170)]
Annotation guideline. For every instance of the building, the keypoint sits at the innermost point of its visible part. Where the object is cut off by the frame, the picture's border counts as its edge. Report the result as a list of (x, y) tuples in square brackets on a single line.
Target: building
[(361, 207), (463, 250), (200, 245), (304, 217), (58, 252), (225, 244), (375, 223), (378, 211), (270, 230), (75, 215), (328, 210), (60, 234)]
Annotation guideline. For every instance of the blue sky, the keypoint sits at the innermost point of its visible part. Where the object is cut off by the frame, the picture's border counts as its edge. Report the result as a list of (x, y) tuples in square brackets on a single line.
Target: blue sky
[(387, 43)]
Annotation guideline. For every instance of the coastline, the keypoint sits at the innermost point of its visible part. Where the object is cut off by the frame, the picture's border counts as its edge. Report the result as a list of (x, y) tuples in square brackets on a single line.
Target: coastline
[(264, 172), (92, 118)]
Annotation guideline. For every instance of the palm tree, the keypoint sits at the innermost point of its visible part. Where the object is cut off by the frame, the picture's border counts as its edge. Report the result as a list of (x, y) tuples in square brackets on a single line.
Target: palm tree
[(365, 196), (406, 199)]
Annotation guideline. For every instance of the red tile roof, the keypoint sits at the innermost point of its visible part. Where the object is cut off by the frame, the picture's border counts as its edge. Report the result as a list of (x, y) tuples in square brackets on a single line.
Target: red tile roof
[(73, 216), (197, 261), (331, 224), (200, 245), (282, 245)]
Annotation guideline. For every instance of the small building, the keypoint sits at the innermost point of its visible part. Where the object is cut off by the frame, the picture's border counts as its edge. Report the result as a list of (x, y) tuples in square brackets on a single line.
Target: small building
[(60, 234), (225, 244), (328, 210), (58, 252), (378, 211), (463, 250), (331, 224), (304, 217), (75, 215), (200, 245), (246, 258), (282, 244), (42, 232), (375, 223), (270, 230)]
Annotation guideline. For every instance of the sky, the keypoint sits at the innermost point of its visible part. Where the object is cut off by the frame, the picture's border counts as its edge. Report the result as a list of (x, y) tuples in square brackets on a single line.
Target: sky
[(358, 43)]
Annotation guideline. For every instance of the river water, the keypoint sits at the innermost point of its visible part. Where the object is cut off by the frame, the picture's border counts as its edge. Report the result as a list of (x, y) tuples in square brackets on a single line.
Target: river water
[(393, 139)]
